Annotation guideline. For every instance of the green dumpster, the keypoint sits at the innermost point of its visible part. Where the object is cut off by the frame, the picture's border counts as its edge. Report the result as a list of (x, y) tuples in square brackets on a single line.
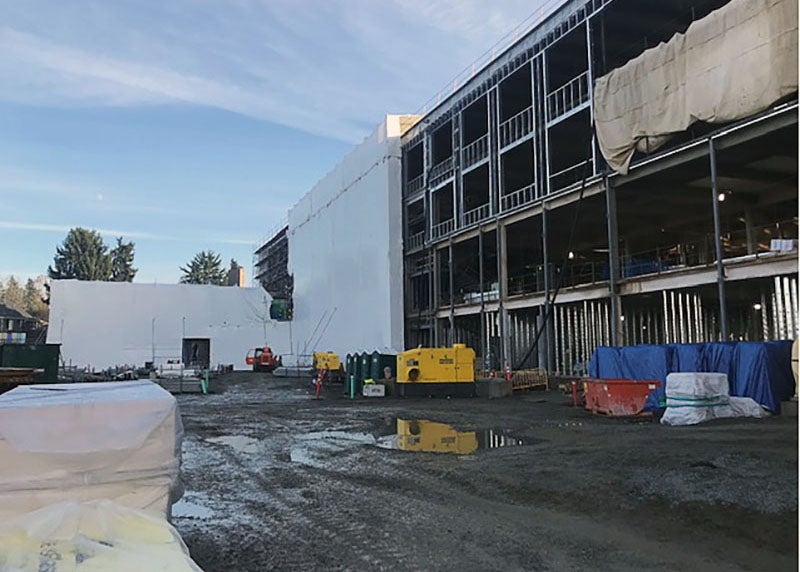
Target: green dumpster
[(39, 356)]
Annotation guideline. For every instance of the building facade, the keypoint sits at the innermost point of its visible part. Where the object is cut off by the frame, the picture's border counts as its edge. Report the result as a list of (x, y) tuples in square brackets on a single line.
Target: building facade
[(520, 238)]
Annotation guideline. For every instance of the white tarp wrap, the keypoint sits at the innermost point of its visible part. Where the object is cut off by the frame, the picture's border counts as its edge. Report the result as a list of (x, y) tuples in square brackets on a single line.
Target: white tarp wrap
[(733, 63), (346, 252), (693, 398), (85, 441), (95, 536)]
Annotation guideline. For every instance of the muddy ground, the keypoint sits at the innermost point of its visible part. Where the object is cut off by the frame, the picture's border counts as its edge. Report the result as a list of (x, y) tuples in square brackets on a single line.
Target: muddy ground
[(277, 480)]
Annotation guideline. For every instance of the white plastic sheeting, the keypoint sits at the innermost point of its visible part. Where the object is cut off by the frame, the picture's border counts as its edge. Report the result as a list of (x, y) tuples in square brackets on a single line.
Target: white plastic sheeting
[(731, 64), (694, 398), (345, 252), (87, 441), (94, 536), (104, 324)]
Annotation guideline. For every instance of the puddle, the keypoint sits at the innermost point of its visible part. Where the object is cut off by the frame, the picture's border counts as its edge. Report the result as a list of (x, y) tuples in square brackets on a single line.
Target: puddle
[(238, 443), (431, 437), (314, 447), (186, 509), (334, 435)]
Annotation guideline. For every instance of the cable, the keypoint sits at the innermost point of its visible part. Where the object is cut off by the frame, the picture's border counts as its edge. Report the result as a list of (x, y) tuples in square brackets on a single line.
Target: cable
[(548, 301)]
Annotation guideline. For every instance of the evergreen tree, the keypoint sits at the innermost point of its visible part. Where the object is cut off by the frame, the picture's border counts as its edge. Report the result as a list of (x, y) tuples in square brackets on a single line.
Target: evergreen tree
[(204, 268), (14, 297), (33, 301), (83, 256), (122, 254)]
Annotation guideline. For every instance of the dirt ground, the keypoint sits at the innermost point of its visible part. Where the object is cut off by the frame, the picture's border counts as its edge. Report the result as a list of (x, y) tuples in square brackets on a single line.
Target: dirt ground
[(277, 480)]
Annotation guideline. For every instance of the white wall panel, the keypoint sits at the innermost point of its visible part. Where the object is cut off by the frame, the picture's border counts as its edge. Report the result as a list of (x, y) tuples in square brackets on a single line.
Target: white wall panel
[(113, 323)]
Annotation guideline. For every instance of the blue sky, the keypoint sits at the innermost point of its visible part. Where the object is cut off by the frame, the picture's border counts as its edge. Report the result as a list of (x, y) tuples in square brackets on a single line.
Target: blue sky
[(195, 124)]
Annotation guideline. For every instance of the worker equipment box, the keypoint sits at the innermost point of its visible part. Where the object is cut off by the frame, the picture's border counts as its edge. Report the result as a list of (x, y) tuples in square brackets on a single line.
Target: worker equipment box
[(617, 397), (374, 390), (119, 441)]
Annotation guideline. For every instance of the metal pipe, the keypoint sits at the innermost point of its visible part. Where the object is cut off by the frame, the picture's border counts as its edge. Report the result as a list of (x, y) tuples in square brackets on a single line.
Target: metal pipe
[(787, 307), (698, 313), (672, 318), (688, 317), (723, 306), (774, 308), (667, 339), (794, 309), (586, 335), (780, 309)]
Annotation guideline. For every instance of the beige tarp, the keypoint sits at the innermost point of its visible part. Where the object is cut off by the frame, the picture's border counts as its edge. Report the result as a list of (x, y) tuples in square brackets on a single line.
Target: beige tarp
[(84, 441), (733, 63)]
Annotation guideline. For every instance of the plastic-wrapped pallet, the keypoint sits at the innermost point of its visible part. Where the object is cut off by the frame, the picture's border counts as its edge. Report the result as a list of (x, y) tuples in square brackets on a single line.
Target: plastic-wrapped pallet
[(694, 398), (91, 536), (76, 442)]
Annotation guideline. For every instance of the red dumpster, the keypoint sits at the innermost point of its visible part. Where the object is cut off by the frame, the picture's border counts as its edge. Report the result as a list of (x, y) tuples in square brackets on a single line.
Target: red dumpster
[(617, 397)]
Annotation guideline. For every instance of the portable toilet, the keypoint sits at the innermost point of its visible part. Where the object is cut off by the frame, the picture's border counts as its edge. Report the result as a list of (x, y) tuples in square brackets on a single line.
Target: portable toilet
[(358, 377), (380, 360), (366, 361)]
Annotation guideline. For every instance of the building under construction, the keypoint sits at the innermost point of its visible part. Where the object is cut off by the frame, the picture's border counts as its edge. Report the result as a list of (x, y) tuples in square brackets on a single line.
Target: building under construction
[(627, 169), (624, 172)]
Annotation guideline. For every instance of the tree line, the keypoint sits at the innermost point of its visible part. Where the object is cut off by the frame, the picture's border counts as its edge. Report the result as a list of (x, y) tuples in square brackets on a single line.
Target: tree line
[(28, 299), (84, 256)]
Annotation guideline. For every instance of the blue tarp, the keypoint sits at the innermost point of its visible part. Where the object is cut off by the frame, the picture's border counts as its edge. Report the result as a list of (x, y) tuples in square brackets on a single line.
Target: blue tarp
[(759, 370)]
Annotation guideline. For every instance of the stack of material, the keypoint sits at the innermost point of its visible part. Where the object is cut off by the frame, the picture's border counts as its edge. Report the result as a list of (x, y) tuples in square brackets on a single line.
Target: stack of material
[(76, 442), (93, 536), (694, 398)]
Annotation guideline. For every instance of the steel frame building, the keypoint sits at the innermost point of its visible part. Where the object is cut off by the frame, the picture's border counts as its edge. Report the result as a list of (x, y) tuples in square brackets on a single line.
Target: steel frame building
[(506, 200)]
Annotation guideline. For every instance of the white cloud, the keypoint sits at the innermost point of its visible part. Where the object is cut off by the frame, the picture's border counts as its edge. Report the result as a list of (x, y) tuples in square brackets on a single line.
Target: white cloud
[(329, 68)]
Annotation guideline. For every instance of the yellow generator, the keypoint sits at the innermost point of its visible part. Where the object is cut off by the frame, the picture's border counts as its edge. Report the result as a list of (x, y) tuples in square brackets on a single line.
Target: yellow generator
[(437, 371), (420, 435), (328, 362)]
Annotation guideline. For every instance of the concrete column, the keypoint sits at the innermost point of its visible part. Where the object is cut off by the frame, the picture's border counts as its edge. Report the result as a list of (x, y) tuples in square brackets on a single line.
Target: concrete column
[(748, 228)]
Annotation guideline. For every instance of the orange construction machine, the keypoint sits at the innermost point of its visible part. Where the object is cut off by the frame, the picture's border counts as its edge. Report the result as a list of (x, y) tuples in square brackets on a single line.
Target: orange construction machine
[(262, 359)]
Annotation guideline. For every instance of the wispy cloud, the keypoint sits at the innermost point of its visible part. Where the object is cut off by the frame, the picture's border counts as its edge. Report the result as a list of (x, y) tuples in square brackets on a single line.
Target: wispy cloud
[(128, 234), (329, 68)]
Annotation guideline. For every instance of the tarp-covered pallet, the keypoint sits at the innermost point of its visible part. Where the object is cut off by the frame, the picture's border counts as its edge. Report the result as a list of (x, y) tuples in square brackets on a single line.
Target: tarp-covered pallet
[(119, 441), (759, 370)]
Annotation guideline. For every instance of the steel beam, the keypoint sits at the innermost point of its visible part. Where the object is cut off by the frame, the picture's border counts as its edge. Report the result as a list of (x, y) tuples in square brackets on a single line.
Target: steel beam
[(613, 260), (723, 306)]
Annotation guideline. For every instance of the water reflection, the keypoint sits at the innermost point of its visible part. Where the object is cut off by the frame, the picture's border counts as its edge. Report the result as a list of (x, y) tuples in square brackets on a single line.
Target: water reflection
[(429, 436)]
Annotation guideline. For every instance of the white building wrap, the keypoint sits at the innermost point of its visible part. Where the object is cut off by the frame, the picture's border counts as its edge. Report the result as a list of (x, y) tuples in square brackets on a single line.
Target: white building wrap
[(345, 252), (104, 324)]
